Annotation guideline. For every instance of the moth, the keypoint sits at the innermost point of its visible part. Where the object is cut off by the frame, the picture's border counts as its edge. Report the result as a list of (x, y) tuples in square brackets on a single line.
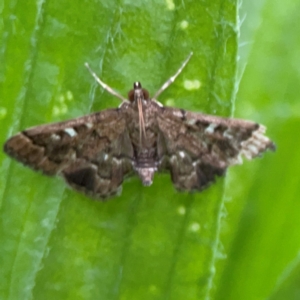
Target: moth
[(95, 153)]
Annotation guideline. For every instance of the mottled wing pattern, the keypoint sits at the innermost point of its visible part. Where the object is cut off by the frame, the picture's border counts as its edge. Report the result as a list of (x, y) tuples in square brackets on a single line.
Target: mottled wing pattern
[(198, 147), (92, 153)]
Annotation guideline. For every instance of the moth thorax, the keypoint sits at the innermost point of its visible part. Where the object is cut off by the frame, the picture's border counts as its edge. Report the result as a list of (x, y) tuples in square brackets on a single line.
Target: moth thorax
[(145, 158)]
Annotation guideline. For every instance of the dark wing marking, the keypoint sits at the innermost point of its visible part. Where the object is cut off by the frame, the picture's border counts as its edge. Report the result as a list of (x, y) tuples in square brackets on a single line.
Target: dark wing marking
[(199, 147), (93, 153)]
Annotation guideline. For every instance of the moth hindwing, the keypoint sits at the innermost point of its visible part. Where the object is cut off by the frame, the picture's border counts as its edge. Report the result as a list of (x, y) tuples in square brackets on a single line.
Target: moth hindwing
[(96, 152)]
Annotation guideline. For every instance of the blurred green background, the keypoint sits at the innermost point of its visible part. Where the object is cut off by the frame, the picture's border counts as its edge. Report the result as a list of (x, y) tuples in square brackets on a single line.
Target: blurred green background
[(240, 238)]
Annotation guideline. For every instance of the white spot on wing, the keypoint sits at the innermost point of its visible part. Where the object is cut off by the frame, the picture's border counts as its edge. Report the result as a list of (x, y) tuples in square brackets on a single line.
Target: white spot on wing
[(105, 156), (70, 131), (253, 149), (94, 166), (89, 125), (247, 154), (55, 137), (73, 155), (191, 121), (195, 163), (256, 144), (239, 160), (177, 113), (181, 154), (173, 158), (227, 134), (211, 128), (260, 137), (117, 161)]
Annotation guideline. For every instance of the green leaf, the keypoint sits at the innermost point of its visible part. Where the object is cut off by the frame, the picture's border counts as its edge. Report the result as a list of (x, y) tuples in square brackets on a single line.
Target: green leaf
[(150, 243), (261, 233)]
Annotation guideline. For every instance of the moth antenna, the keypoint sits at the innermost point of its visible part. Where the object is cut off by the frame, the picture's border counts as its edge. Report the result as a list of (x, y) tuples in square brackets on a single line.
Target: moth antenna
[(105, 86), (172, 79)]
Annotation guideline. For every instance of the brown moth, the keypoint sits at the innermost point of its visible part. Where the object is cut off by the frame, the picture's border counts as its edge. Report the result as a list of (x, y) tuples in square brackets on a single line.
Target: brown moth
[(96, 152)]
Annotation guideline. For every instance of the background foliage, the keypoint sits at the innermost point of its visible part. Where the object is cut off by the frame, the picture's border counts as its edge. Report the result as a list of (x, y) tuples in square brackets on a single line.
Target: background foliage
[(237, 240)]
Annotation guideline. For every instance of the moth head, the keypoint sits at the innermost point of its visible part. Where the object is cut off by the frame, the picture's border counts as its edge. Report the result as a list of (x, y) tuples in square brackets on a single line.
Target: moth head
[(138, 93)]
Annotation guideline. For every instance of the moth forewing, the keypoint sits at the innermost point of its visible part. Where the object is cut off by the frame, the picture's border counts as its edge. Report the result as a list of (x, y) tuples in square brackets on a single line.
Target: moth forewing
[(96, 152)]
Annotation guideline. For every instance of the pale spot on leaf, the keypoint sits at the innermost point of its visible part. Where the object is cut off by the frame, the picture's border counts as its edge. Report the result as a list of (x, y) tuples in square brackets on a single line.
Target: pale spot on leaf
[(170, 102), (3, 112), (195, 227), (184, 24), (181, 210), (192, 84), (170, 4), (69, 96)]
